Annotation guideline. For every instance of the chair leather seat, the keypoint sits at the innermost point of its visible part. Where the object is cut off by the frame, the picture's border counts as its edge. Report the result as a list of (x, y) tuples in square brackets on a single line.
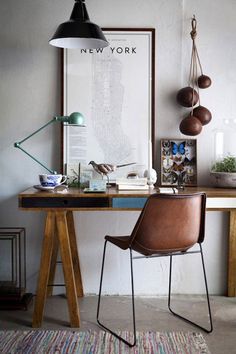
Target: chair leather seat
[(124, 241), (120, 241)]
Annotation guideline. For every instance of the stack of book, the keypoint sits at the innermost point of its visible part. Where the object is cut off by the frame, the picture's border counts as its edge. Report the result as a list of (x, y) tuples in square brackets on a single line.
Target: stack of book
[(132, 184)]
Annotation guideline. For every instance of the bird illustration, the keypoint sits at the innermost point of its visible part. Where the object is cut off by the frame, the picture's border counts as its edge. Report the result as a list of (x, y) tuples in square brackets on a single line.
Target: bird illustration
[(106, 168)]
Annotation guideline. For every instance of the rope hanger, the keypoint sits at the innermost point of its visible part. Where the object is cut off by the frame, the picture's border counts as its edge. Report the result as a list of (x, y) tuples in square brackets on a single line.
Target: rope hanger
[(190, 96)]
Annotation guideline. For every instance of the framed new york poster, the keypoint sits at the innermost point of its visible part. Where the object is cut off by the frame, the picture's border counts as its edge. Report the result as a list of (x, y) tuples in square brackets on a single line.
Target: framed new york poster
[(113, 88)]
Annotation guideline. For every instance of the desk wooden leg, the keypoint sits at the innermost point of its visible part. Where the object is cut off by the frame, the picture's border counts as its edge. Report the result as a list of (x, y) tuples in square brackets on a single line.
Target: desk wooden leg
[(232, 255), (44, 270), (74, 253), (66, 256), (53, 263)]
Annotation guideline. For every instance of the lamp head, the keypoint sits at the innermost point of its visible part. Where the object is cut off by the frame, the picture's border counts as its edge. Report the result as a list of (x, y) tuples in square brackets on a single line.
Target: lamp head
[(79, 31), (75, 118)]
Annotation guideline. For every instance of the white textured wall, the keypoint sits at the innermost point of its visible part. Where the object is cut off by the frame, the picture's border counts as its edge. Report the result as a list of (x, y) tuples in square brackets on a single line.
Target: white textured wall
[(30, 95)]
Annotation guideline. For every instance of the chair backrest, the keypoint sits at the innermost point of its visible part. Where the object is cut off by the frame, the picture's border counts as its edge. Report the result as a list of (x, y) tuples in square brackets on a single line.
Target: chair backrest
[(170, 223)]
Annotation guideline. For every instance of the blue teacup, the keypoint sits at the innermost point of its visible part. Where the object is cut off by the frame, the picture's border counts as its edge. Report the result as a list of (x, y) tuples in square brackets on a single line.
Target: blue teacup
[(52, 180)]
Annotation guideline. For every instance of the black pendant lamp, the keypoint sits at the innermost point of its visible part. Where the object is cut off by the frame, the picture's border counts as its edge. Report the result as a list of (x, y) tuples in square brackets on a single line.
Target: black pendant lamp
[(79, 31)]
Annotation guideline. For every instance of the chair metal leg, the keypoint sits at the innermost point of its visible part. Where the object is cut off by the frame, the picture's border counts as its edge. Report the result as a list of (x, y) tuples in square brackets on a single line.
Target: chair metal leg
[(207, 295), (133, 307)]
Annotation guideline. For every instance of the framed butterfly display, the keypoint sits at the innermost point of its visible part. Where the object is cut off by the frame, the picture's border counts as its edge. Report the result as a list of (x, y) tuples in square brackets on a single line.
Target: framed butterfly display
[(179, 162)]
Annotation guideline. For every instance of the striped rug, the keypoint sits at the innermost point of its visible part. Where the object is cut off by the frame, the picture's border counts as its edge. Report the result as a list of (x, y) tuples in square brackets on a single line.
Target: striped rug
[(68, 342)]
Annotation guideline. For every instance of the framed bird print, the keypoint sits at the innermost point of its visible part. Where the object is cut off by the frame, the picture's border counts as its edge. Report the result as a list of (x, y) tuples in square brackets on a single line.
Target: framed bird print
[(113, 88), (179, 162)]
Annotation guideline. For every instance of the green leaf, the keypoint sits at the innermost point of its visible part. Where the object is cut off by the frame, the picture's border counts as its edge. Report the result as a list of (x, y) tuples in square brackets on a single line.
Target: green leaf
[(227, 164)]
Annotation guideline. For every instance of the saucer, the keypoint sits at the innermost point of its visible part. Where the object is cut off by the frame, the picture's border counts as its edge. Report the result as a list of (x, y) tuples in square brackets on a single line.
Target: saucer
[(42, 188)]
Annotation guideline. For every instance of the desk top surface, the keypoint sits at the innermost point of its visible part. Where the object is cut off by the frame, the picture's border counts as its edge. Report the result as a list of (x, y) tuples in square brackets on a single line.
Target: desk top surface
[(114, 193)]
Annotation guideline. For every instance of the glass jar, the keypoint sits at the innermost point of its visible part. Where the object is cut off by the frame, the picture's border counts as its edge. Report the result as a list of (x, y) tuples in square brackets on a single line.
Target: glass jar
[(223, 169), (225, 140)]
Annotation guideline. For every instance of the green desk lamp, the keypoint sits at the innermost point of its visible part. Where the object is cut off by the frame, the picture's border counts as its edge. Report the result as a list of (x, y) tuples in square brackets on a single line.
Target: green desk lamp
[(75, 118)]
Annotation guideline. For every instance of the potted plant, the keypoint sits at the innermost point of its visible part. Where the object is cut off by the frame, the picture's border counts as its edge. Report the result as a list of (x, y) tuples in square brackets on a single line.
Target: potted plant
[(223, 172)]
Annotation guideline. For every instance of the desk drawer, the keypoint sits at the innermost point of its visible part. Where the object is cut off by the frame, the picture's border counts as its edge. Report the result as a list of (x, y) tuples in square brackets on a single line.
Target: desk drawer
[(84, 202), (129, 203)]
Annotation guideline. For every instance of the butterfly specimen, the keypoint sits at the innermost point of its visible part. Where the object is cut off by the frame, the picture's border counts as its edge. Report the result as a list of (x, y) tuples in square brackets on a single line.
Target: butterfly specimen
[(167, 164), (178, 168), (178, 148), (170, 178), (166, 148)]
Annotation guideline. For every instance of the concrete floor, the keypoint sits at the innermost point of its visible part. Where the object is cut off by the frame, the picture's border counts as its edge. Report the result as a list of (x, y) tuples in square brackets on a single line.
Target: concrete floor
[(151, 314)]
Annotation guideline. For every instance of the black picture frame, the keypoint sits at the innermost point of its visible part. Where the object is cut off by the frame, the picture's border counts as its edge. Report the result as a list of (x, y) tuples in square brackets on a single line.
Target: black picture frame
[(178, 162), (92, 84)]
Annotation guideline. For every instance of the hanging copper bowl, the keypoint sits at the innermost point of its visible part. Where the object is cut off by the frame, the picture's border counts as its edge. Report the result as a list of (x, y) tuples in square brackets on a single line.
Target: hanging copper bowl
[(190, 126), (187, 97), (203, 114), (204, 81)]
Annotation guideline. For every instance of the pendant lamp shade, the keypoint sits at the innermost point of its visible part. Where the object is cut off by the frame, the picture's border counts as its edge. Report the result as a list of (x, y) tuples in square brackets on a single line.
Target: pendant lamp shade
[(79, 31)]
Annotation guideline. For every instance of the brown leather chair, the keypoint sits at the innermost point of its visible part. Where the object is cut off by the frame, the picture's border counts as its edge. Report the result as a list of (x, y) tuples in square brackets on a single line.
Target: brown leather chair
[(169, 225)]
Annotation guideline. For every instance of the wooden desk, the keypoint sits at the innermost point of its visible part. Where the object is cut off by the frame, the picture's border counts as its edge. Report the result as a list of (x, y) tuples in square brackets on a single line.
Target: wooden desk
[(59, 229)]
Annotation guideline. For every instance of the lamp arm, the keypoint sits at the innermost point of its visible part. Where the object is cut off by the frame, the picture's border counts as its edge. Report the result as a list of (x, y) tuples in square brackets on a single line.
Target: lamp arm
[(32, 157), (36, 131), (18, 144)]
